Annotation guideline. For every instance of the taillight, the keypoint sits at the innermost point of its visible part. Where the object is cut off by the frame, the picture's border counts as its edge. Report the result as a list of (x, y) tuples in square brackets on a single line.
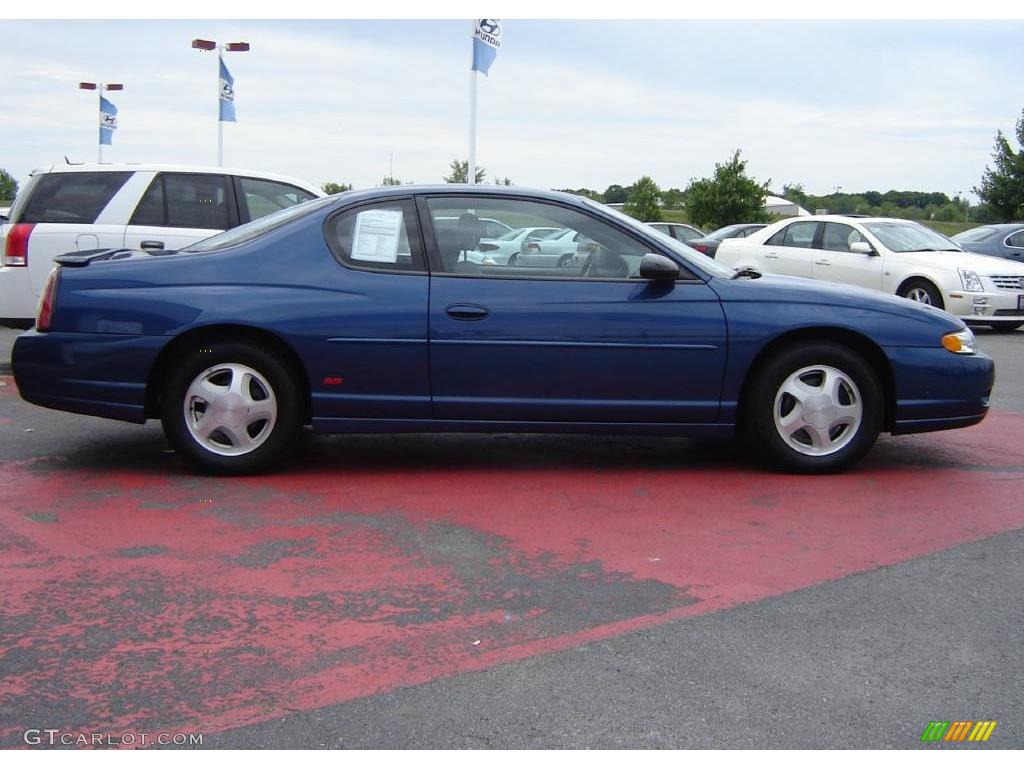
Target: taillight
[(699, 247), (16, 250), (48, 301)]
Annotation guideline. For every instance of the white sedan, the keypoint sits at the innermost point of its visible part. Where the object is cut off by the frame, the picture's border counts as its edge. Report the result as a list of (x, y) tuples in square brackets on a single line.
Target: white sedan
[(506, 248), (892, 255)]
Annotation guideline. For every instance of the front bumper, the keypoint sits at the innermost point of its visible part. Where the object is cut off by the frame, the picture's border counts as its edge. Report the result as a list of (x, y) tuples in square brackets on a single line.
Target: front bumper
[(936, 389), (92, 373), (989, 306)]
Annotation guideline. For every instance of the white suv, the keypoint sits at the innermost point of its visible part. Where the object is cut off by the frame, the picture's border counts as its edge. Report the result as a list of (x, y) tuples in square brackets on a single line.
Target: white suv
[(149, 207), (892, 255)]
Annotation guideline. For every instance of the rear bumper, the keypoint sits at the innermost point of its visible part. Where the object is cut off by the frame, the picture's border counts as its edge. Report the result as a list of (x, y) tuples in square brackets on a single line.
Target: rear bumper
[(936, 389), (95, 374), (17, 301)]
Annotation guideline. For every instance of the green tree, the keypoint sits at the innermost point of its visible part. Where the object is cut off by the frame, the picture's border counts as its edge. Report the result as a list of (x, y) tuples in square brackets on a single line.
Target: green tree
[(505, 182), (615, 194), (8, 186), (794, 192), (593, 194), (333, 187), (460, 172), (642, 202), (729, 197), (390, 181), (672, 198), (1002, 187)]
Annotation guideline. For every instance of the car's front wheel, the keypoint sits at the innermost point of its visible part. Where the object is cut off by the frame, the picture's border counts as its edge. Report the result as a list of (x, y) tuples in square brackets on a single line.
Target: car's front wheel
[(922, 292), (815, 408), (231, 407)]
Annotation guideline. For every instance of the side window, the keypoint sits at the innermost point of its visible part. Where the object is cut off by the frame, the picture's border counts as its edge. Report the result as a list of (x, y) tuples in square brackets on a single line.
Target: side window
[(589, 248), (839, 237), (797, 235), (186, 200), (1016, 240), (263, 197), (71, 198), (382, 236), (663, 228), (493, 229)]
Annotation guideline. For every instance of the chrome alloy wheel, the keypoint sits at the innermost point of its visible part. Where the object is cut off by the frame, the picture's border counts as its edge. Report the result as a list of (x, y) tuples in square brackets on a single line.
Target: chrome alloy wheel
[(919, 294), (230, 409), (818, 410)]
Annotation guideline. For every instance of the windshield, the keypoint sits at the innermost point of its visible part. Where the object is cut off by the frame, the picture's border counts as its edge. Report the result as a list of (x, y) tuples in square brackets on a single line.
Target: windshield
[(257, 227), (724, 232), (975, 235), (685, 252), (907, 236), (512, 235)]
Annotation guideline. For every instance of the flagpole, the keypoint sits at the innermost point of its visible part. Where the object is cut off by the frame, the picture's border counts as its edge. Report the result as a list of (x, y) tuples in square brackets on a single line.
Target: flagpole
[(220, 123), (471, 165), (99, 92)]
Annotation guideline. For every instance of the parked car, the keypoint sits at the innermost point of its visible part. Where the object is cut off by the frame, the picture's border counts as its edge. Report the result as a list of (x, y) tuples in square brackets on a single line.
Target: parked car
[(1004, 240), (708, 244), (355, 313), (506, 249), (152, 207), (5, 214), (684, 233), (893, 255), (557, 249)]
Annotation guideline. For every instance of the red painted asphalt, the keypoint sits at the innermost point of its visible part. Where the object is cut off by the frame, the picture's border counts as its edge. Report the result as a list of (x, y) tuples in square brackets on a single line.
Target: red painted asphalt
[(138, 600)]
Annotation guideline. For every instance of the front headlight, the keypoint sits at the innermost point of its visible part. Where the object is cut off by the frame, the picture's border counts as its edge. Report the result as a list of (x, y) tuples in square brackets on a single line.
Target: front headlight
[(970, 280), (961, 342)]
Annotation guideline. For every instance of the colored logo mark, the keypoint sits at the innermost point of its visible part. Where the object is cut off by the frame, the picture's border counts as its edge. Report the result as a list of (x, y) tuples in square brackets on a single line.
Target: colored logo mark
[(958, 730)]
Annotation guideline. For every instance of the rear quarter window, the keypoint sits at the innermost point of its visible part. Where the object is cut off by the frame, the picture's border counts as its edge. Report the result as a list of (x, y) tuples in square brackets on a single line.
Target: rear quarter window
[(71, 198)]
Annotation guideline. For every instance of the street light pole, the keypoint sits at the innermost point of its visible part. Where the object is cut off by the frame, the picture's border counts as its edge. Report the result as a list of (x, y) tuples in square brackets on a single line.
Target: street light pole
[(210, 45)]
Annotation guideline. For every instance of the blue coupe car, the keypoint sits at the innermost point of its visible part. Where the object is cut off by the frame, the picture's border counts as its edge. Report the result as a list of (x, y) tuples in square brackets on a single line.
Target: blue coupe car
[(356, 313), (1005, 240)]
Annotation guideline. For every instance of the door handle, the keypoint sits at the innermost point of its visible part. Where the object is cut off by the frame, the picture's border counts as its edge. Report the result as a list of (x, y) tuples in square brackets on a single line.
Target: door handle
[(151, 245), (466, 312), (823, 262), (771, 256)]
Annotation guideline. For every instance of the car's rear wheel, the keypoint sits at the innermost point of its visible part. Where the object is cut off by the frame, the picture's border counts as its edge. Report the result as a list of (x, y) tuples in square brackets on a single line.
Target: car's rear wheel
[(1005, 327), (923, 292), (566, 260), (231, 407), (815, 408), (513, 260)]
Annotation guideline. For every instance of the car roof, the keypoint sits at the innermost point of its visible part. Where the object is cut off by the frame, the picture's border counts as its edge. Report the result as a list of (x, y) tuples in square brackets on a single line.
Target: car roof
[(173, 168), (849, 219)]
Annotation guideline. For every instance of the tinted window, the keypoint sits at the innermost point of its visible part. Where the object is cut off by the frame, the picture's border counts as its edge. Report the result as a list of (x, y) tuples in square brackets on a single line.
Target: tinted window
[(600, 251), (72, 198), (798, 235), (254, 229), (1016, 240), (186, 200), (378, 236), (264, 197), (839, 237)]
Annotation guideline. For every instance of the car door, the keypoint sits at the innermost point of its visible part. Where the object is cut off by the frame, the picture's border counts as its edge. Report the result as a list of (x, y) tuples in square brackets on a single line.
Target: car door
[(179, 209), (836, 263), (789, 251), (367, 354), (548, 344), (1013, 246)]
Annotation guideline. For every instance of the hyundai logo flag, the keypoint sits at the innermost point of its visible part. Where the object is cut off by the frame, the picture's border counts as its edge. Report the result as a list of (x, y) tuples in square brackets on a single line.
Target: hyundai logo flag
[(108, 121), (486, 42), (227, 95)]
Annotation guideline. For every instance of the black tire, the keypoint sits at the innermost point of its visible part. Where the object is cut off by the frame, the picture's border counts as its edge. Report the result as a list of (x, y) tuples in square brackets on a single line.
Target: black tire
[(765, 394), (513, 260), (1005, 327), (913, 289), (565, 260), (274, 437)]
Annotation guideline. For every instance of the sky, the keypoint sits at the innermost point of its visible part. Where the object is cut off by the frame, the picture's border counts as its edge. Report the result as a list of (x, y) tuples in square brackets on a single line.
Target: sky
[(568, 103)]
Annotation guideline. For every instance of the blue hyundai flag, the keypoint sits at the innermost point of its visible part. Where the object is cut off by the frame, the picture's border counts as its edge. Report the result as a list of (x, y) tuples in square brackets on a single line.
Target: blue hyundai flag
[(486, 42), (227, 95), (108, 121)]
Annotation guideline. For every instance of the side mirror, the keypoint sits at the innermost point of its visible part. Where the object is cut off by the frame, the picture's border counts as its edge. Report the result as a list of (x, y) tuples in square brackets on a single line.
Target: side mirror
[(654, 266), (862, 248)]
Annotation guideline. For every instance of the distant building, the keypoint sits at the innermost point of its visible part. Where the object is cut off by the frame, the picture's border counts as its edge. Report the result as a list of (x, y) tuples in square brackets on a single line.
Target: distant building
[(782, 207)]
